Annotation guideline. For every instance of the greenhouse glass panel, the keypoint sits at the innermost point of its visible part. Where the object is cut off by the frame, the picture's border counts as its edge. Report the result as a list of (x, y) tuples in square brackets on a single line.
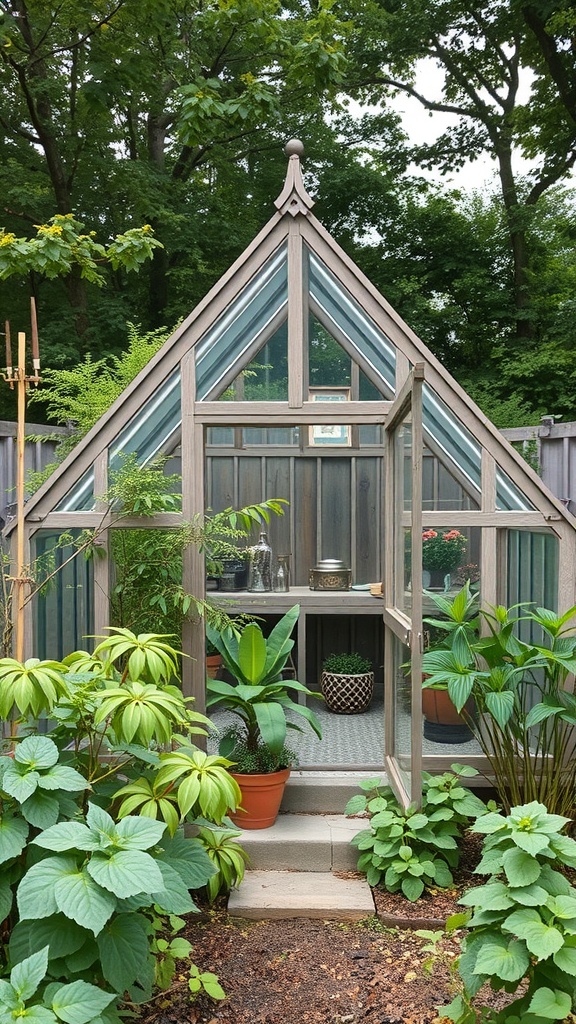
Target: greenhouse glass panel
[(441, 491), (509, 497), (250, 315), (339, 310), (532, 568), (149, 432), (64, 609), (448, 433), (265, 379), (80, 498)]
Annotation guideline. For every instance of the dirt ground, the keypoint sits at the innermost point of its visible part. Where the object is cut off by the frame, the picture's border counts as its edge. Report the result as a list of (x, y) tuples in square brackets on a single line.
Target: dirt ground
[(322, 972)]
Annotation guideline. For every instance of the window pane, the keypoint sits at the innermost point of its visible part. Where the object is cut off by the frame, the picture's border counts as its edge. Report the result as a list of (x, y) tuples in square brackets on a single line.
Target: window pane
[(150, 431), (63, 613)]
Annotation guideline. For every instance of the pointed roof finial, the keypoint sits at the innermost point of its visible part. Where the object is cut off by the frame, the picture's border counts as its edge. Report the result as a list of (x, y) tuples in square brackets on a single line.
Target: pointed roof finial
[(294, 198)]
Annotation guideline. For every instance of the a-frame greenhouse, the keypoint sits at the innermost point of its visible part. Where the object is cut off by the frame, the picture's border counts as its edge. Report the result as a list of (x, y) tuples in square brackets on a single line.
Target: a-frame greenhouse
[(294, 378)]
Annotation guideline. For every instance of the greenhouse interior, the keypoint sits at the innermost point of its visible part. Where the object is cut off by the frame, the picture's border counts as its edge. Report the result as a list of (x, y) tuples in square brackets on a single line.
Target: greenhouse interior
[(294, 380)]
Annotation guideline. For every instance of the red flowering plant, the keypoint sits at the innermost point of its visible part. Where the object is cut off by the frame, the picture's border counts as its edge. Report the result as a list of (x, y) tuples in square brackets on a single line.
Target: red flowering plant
[(443, 551)]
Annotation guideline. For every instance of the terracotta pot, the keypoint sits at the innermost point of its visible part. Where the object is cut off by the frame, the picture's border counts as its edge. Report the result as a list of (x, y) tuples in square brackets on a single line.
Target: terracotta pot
[(442, 722), (261, 798), (213, 664)]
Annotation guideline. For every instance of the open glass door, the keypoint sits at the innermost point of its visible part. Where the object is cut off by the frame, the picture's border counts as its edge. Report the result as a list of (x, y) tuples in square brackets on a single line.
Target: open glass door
[(403, 591)]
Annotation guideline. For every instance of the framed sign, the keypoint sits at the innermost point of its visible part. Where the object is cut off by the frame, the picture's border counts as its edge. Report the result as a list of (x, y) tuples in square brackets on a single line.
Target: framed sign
[(326, 434)]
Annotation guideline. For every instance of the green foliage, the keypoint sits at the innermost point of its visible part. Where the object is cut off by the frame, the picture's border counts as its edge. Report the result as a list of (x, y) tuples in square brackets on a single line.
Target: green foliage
[(523, 928), (260, 697), (409, 849), (83, 878), (259, 761), (347, 664), (227, 856), (526, 712), (60, 245)]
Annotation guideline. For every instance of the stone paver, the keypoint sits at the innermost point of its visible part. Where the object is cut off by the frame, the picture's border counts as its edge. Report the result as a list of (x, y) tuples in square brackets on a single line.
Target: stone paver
[(304, 842), (266, 895)]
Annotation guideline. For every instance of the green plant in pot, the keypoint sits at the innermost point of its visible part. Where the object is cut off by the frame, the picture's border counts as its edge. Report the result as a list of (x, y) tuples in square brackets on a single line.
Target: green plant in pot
[(347, 683), (455, 629), (262, 701)]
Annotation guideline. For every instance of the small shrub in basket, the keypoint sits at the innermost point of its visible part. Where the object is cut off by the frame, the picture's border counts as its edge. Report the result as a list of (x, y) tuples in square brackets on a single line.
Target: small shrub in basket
[(347, 683)]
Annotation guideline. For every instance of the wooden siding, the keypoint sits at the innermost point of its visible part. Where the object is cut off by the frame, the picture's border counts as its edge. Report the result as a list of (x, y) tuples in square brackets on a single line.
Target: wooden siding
[(551, 448), (37, 455)]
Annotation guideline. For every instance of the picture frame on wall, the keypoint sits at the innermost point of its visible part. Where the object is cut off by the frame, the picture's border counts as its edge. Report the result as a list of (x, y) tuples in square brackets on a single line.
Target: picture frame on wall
[(336, 435)]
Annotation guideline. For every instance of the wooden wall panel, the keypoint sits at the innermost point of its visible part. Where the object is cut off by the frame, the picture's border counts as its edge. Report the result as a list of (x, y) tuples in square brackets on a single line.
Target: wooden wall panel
[(305, 506), (336, 509), (368, 498)]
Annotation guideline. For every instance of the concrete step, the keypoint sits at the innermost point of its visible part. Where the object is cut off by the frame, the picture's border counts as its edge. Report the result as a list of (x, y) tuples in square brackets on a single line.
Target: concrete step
[(318, 792), (304, 842), (266, 895)]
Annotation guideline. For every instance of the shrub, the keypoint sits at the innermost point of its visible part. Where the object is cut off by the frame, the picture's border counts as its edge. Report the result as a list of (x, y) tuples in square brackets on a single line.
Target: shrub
[(523, 929), (407, 850), (347, 664)]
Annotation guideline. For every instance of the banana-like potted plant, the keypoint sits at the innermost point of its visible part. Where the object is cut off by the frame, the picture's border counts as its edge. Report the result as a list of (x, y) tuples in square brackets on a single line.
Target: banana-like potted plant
[(262, 701)]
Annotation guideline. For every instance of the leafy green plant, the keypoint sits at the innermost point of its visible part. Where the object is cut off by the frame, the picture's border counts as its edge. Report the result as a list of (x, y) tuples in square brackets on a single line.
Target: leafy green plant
[(409, 849), (227, 856), (526, 710), (260, 698), (80, 890), (347, 664), (523, 929)]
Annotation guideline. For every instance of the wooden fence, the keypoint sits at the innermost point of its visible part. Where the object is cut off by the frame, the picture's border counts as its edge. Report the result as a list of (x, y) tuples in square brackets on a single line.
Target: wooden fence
[(551, 449), (38, 454)]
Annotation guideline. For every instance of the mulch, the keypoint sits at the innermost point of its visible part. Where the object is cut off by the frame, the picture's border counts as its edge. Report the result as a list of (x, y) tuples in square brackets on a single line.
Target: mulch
[(298, 971)]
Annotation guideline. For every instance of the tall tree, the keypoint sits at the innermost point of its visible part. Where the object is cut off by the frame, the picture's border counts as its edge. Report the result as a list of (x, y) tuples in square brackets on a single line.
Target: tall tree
[(488, 63), (124, 111)]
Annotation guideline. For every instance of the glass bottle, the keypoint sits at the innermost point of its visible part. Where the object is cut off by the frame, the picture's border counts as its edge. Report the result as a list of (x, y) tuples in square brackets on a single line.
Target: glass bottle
[(260, 565), (283, 574)]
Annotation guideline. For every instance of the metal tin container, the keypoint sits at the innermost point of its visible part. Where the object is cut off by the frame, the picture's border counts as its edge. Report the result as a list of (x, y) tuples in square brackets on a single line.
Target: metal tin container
[(330, 574)]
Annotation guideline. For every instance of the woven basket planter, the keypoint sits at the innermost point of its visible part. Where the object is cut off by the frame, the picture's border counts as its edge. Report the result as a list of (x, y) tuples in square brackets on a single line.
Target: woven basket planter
[(347, 695)]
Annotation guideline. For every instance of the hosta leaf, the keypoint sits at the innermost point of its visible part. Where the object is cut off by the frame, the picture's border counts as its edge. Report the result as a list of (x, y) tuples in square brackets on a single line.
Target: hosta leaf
[(520, 867), (126, 872), (80, 1002), (552, 1005), (123, 948), (13, 836), (35, 896), (27, 975), (507, 961), (67, 835), (78, 896), (492, 896)]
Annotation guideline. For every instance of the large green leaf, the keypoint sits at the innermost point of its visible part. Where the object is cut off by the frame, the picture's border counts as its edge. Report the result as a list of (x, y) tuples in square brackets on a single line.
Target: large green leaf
[(125, 872), (521, 869), (532, 842), (271, 720), (20, 782), (13, 836), (41, 809), (36, 892), (78, 896), (501, 706), (174, 897), (508, 961), (6, 898), (279, 643), (252, 653), (101, 822), (61, 776), (58, 932), (134, 833), (123, 948), (189, 858), (37, 1014), (80, 1002), (67, 835), (36, 752), (542, 939), (565, 959), (27, 975), (553, 1005)]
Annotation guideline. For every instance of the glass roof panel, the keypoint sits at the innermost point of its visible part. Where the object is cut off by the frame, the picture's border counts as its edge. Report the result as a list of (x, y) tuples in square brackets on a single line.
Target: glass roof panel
[(448, 433), (248, 316), (80, 498), (149, 432), (509, 497), (342, 314), (265, 379)]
